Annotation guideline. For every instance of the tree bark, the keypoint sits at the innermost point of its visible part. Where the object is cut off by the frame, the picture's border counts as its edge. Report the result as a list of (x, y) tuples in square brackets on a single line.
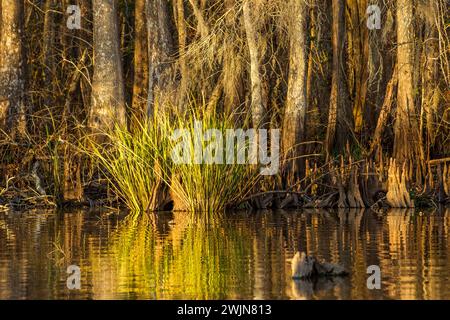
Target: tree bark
[(430, 75), (12, 69), (294, 119), (384, 113), (407, 145), (232, 65), (258, 99), (358, 42), (108, 101), (48, 47), (140, 85), (182, 38), (160, 53), (339, 116)]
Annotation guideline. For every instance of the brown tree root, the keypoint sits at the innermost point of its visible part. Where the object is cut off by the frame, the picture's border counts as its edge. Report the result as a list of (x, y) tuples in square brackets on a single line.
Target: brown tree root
[(398, 195)]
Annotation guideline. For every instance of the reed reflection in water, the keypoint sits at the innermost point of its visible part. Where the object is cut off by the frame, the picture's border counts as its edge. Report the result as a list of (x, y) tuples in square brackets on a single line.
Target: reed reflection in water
[(240, 255)]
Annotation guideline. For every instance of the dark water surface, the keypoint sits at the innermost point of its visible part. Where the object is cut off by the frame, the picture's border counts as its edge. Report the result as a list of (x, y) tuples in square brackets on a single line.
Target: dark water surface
[(174, 256)]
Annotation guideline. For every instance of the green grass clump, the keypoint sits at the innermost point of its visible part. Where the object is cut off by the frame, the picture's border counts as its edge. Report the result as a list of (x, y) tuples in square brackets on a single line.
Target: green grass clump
[(209, 187), (134, 163), (141, 168)]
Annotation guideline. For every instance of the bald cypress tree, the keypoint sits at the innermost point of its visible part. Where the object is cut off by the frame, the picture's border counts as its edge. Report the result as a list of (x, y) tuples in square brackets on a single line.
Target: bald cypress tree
[(12, 72), (407, 144), (294, 119), (108, 101)]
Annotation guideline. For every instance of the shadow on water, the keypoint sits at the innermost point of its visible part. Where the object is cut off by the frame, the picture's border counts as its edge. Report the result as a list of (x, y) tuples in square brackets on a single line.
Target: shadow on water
[(241, 255)]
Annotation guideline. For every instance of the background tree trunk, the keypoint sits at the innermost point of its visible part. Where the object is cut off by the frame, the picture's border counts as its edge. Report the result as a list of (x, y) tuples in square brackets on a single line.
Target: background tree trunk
[(182, 38), (12, 72), (258, 99), (294, 119), (108, 101), (339, 116), (407, 144), (233, 85), (430, 74), (48, 56), (160, 52), (140, 83), (358, 42)]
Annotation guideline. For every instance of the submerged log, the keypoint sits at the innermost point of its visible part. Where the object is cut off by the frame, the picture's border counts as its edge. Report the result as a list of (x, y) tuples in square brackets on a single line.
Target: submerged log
[(329, 269), (302, 266), (306, 267)]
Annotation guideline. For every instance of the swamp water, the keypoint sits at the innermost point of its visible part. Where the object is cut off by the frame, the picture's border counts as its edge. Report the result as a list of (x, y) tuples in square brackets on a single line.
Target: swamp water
[(240, 256)]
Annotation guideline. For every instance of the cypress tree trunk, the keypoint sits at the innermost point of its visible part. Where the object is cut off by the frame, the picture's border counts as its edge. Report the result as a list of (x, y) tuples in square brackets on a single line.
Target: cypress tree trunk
[(294, 120), (140, 85), (182, 38), (430, 75), (233, 86), (407, 144), (12, 72), (108, 101), (359, 62), (160, 52), (340, 116), (258, 99)]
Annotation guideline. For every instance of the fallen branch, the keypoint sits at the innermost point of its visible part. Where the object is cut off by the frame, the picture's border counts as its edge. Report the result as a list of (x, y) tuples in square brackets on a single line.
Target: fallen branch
[(438, 161)]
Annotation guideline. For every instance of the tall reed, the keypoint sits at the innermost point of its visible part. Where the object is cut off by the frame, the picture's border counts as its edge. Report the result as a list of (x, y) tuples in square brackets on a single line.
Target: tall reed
[(140, 166), (203, 187), (134, 163)]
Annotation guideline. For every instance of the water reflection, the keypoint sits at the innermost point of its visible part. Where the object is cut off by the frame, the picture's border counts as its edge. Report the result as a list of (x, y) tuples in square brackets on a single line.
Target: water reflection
[(242, 255)]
